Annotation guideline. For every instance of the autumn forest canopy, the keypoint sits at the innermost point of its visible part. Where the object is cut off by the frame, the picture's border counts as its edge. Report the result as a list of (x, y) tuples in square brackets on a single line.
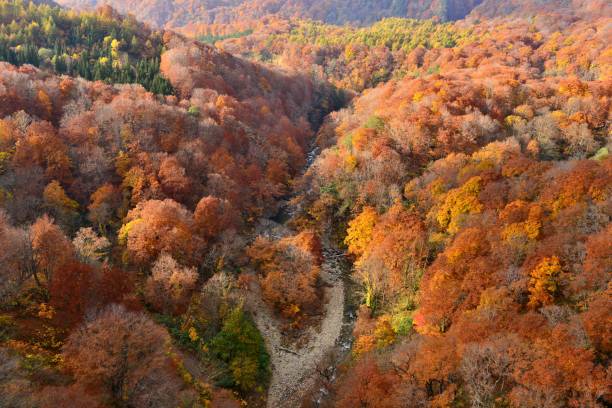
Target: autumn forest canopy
[(294, 203)]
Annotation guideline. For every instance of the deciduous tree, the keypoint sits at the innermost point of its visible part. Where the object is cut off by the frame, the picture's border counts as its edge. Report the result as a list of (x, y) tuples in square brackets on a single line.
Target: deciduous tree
[(155, 227), (51, 248), (117, 351), (170, 285)]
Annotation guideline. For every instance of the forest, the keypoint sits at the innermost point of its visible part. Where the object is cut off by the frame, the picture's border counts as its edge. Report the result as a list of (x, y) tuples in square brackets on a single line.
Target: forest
[(95, 46), (242, 204), (194, 15)]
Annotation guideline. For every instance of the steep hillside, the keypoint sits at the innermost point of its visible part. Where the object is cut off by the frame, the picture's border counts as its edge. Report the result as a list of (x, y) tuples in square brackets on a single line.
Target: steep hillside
[(474, 199), (124, 215)]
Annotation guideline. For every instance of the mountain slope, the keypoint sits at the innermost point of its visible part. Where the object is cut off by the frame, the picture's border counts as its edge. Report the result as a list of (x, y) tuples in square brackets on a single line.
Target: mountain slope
[(525, 8), (180, 13)]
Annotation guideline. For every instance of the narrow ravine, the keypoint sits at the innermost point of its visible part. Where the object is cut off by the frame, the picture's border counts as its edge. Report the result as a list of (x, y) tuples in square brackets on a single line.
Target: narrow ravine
[(296, 370)]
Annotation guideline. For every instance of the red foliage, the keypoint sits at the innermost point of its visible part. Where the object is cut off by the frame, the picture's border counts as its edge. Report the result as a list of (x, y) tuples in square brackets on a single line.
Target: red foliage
[(366, 386), (71, 289), (114, 286)]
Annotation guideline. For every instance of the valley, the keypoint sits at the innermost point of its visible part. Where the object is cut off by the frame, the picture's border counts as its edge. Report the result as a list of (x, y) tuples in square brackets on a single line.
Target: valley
[(298, 204)]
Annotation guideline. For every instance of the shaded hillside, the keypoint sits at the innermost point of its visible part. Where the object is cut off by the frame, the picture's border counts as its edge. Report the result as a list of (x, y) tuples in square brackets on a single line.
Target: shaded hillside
[(195, 16), (525, 8), (190, 15)]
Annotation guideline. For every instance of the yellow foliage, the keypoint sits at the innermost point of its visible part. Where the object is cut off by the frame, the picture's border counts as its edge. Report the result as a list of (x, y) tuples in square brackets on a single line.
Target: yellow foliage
[(359, 233), (122, 163), (349, 52), (55, 196), (350, 163), (46, 311), (597, 194), (382, 336), (134, 178), (494, 154), (5, 158), (569, 41), (114, 45), (193, 334), (562, 63), (552, 45), (360, 138), (480, 163), (533, 148), (560, 116), (459, 203), (435, 106), (124, 232), (517, 230), (579, 117), (573, 88), (543, 284), (293, 310), (364, 344), (437, 187), (529, 228), (384, 333), (514, 120)]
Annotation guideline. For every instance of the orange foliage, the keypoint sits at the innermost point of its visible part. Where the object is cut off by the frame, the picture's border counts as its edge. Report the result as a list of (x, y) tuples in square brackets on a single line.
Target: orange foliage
[(289, 276), (213, 216), (51, 248), (154, 227), (366, 386)]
